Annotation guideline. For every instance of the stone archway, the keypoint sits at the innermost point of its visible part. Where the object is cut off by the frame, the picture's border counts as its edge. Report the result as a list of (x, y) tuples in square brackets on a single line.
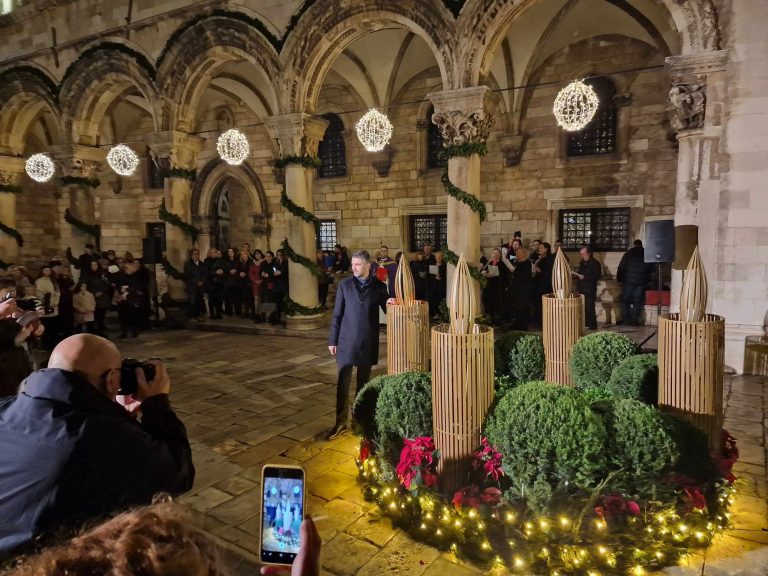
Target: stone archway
[(229, 204)]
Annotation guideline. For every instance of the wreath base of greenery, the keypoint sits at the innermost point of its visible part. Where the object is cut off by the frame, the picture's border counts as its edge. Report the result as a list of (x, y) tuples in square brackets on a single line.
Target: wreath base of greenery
[(293, 308)]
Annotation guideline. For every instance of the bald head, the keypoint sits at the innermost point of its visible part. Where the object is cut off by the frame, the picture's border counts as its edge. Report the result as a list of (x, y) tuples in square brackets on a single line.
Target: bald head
[(90, 356)]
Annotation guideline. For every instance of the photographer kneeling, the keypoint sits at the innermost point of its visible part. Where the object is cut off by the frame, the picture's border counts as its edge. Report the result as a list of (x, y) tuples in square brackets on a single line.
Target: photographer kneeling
[(71, 452)]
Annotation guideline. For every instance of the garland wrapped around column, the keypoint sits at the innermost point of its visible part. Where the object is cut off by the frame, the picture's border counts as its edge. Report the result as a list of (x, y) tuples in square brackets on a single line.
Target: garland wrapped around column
[(170, 270), (10, 189), (12, 232), (92, 229), (183, 173), (81, 181), (175, 220), (451, 258), (294, 256)]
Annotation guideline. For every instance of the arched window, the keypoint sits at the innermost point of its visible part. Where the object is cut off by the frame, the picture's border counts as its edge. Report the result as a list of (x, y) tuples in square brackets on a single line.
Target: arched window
[(434, 143), (333, 156), (599, 136)]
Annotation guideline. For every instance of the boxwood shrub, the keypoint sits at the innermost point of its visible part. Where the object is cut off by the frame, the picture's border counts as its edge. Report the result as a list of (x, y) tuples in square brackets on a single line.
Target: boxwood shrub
[(404, 406), (501, 350), (526, 359), (364, 408), (636, 378), (550, 440), (595, 356)]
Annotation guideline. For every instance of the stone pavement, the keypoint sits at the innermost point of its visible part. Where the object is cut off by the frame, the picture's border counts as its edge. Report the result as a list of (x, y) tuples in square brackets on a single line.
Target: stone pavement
[(248, 399)]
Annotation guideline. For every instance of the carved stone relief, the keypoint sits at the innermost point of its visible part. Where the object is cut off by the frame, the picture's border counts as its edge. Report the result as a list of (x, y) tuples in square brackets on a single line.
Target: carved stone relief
[(687, 106)]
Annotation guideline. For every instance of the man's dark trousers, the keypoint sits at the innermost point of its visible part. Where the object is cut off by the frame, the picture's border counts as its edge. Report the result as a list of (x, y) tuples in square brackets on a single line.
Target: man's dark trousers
[(632, 302), (342, 389), (590, 316)]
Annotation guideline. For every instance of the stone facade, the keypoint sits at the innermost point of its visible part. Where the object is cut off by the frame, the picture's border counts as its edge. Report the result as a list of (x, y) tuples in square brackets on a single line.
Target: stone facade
[(112, 74)]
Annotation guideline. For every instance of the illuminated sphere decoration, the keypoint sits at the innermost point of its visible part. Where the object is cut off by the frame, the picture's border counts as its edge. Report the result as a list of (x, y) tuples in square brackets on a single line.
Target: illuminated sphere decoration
[(233, 147), (123, 160), (40, 167), (374, 130), (575, 106)]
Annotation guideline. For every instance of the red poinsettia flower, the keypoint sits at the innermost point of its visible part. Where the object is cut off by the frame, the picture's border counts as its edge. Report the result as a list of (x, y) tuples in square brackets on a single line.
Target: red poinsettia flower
[(416, 467), (488, 459), (472, 497), (614, 506), (694, 498), (365, 450)]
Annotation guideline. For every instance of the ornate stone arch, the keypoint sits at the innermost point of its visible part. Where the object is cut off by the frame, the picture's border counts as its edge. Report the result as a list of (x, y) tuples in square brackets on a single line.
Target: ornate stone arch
[(191, 56), (483, 24), (91, 84), (26, 91), (329, 26), (215, 172)]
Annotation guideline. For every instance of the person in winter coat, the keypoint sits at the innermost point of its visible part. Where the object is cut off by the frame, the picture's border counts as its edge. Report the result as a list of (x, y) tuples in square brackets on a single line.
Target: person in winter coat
[(588, 276), (215, 267), (14, 359), (84, 303), (47, 288), (195, 276), (257, 282), (634, 274), (354, 335), (98, 284)]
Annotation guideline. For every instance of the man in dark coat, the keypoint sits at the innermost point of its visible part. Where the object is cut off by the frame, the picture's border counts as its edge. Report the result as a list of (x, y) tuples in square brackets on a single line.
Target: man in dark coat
[(633, 273), (354, 337), (195, 276), (71, 452), (588, 276)]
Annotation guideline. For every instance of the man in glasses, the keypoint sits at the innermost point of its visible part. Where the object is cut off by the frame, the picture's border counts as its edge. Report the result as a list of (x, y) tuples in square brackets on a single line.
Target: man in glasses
[(71, 452)]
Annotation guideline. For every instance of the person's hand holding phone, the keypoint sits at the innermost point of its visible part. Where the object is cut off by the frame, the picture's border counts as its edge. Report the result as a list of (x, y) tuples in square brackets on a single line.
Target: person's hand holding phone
[(307, 561)]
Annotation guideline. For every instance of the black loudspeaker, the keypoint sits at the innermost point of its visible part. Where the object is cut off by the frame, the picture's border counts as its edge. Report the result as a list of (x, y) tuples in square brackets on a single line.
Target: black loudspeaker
[(152, 251), (660, 241), (686, 239)]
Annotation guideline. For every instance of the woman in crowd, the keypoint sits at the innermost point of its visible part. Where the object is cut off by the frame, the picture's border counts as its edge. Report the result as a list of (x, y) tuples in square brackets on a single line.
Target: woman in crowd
[(281, 284), (15, 362), (246, 308), (440, 284), (128, 298), (66, 284), (324, 283), (496, 272), (522, 282), (84, 303), (542, 277), (98, 285), (232, 301), (215, 267), (254, 273), (47, 288)]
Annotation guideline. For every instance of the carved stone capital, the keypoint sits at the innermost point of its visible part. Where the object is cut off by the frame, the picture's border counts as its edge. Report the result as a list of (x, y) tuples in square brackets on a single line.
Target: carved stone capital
[(460, 115), (11, 169), (297, 134), (77, 160), (512, 146), (687, 106), (382, 161), (174, 150), (691, 67)]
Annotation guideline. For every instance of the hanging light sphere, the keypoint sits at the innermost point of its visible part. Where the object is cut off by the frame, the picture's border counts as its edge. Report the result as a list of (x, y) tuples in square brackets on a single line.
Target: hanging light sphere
[(40, 167), (123, 160), (575, 106), (233, 147), (374, 130)]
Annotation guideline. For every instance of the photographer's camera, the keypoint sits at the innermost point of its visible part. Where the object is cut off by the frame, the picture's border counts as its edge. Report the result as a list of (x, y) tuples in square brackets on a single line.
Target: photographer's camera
[(128, 382)]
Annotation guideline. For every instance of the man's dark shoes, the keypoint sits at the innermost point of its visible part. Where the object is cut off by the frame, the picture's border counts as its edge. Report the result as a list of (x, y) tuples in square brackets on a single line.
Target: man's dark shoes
[(336, 431)]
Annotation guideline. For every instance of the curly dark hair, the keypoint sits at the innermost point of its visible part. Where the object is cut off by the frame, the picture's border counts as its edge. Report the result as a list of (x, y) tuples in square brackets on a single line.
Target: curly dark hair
[(157, 540)]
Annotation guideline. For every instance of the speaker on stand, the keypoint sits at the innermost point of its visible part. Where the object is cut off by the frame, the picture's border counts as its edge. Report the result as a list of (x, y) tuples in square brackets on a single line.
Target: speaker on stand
[(659, 249)]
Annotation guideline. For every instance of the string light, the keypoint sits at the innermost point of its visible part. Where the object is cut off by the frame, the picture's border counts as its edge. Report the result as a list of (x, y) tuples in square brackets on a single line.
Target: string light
[(40, 167), (575, 106), (374, 130), (122, 160), (233, 147)]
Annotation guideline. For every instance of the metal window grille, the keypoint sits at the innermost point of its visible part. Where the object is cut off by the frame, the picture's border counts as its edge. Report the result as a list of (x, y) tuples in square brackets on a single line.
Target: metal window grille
[(332, 153), (327, 238), (432, 228), (604, 229), (434, 144), (599, 136)]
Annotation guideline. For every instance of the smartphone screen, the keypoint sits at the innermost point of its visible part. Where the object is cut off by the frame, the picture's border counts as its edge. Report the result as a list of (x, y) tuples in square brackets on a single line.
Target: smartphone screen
[(282, 512)]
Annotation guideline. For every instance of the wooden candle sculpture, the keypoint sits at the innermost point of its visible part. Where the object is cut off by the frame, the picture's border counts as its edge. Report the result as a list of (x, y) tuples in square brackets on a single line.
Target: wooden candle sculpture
[(563, 322), (462, 381), (691, 357), (407, 326)]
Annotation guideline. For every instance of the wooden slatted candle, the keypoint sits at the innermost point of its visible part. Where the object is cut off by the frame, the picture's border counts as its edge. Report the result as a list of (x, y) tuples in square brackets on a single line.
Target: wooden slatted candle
[(462, 382), (407, 326)]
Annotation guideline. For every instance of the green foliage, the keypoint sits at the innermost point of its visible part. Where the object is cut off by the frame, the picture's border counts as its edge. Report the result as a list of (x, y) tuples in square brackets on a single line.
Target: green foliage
[(299, 212), (637, 378), (293, 308), (13, 233), (550, 439), (404, 407), (526, 360), (502, 348), (10, 188), (364, 408), (183, 173), (595, 356), (171, 270), (81, 181), (175, 220), (92, 229), (302, 160), (640, 442), (453, 259), (294, 256), (502, 384), (692, 443)]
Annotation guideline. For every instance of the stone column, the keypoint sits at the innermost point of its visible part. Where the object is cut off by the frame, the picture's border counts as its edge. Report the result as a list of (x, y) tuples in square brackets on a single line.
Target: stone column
[(77, 161), (299, 135), (696, 116), (174, 152), (11, 169), (461, 118)]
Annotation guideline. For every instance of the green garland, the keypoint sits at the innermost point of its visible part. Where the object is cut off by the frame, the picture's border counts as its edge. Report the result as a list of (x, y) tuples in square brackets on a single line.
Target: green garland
[(293, 308), (74, 262), (299, 212), (299, 259), (464, 150), (80, 181), (92, 229), (451, 257), (171, 270), (303, 160), (10, 189), (183, 173), (175, 220), (4, 265), (13, 233)]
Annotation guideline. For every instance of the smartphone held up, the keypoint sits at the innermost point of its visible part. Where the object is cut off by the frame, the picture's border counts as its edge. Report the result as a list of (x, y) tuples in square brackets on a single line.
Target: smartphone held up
[(283, 497)]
